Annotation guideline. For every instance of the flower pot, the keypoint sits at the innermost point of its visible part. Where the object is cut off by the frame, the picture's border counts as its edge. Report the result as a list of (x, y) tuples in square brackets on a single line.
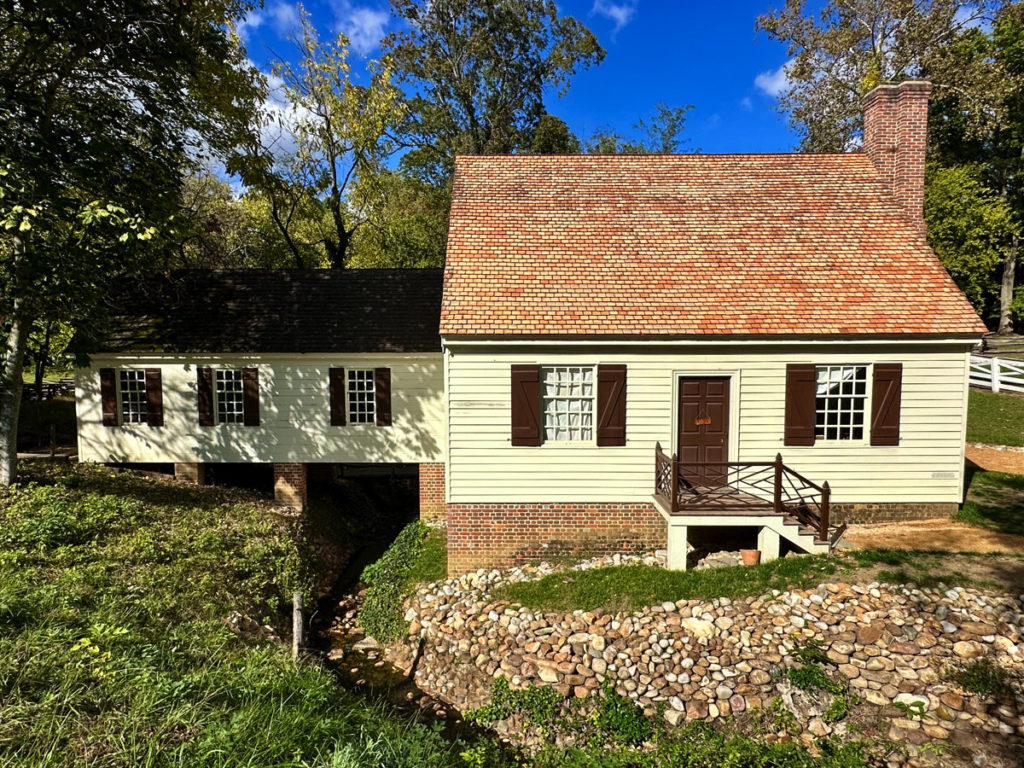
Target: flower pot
[(750, 556)]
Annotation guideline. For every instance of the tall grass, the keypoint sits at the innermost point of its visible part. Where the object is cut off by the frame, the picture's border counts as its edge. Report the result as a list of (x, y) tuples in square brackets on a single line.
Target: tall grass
[(114, 644)]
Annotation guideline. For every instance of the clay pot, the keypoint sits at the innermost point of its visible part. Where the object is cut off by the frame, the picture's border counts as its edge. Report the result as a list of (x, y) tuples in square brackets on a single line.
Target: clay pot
[(750, 556)]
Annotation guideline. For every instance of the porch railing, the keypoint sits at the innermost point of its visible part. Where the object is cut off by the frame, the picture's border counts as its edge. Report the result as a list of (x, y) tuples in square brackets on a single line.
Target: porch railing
[(741, 486)]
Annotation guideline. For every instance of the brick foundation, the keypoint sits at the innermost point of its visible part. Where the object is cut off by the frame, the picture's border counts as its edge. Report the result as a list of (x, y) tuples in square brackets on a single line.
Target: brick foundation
[(885, 512), (432, 491), (493, 535), (190, 473), (290, 485)]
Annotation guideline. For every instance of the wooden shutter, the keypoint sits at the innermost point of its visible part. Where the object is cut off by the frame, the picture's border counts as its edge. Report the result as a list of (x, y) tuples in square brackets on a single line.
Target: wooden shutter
[(337, 396), (204, 393), (801, 383), (108, 396), (154, 398), (526, 415), (250, 397), (611, 405), (382, 393), (886, 386)]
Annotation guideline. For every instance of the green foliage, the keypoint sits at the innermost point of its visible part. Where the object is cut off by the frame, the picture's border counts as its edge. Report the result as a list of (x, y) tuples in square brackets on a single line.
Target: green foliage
[(659, 135), (431, 564), (915, 710), (995, 418), (970, 227), (811, 677), (810, 652), (114, 590), (630, 587), (619, 720), (388, 583), (539, 705), (982, 676)]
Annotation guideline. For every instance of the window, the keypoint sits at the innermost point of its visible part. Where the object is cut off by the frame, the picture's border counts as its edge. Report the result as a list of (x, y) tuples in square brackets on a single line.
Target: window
[(230, 400), (567, 394), (361, 397), (133, 397), (840, 402)]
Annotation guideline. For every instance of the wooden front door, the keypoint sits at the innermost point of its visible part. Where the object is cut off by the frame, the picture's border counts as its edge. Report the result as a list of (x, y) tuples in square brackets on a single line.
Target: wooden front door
[(703, 429)]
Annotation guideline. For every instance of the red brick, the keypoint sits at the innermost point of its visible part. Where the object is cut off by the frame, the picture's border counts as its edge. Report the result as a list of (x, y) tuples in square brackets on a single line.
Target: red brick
[(432, 494)]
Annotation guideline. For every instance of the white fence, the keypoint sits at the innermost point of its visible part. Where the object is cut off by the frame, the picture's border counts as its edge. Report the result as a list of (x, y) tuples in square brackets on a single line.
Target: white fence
[(997, 373)]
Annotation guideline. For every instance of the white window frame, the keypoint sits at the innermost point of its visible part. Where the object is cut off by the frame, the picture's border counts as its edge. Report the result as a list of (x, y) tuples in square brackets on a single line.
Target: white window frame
[(127, 398), (864, 399), (220, 375), (361, 402), (569, 392)]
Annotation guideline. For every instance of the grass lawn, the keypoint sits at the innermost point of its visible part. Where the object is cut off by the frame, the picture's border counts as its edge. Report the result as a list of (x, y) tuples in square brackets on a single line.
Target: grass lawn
[(996, 419), (114, 649), (431, 563), (995, 501)]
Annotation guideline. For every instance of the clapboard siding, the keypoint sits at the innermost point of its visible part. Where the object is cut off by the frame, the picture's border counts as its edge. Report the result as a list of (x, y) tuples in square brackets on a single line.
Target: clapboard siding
[(294, 414), (483, 466)]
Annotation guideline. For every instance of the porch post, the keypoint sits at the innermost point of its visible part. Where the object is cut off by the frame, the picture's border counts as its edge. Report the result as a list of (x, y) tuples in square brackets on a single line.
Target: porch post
[(826, 494), (675, 487), (768, 543), (778, 484), (677, 546)]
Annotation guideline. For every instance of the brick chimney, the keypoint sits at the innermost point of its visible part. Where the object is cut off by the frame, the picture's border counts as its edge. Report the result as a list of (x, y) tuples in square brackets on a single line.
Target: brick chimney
[(895, 138)]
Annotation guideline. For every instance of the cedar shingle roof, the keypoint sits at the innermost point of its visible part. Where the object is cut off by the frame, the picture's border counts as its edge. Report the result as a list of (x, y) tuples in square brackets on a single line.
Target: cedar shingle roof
[(281, 310), (689, 245)]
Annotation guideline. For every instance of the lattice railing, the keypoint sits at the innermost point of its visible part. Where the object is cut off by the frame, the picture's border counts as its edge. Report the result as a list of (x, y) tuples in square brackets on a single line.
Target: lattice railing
[(733, 486)]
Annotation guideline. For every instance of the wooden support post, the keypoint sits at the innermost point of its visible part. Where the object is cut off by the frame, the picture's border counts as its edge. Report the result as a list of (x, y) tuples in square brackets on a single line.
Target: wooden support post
[(826, 494), (296, 625), (777, 501), (995, 369), (675, 482)]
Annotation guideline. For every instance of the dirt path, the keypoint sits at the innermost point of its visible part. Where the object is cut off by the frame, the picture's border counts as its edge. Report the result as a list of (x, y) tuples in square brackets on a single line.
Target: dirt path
[(997, 458), (939, 534)]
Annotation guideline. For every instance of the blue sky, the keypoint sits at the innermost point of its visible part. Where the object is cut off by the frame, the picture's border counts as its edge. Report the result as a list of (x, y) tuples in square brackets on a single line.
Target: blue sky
[(683, 52)]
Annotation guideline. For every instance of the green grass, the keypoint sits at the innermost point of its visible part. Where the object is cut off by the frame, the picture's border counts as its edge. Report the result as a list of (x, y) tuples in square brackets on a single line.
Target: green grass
[(114, 649), (630, 587), (996, 419), (995, 501), (431, 564)]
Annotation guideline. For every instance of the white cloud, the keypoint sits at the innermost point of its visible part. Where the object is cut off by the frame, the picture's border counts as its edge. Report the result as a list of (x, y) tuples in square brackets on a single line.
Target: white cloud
[(364, 26), (281, 118), (619, 12), (746, 103), (279, 16), (775, 81)]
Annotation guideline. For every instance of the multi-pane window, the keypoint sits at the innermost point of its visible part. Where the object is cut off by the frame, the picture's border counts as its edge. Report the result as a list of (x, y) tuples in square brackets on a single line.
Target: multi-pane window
[(133, 397), (568, 402), (361, 397), (230, 399), (840, 402)]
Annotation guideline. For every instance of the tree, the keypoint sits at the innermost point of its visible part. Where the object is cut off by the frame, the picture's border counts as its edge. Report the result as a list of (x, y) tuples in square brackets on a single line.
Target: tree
[(969, 227), (850, 46), (334, 132), (553, 137), (659, 135), (476, 72), (102, 107)]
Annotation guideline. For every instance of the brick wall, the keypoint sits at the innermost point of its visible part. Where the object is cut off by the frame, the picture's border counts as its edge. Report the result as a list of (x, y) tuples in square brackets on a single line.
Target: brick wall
[(875, 512), (290, 485), (190, 473), (896, 139), (432, 491), (492, 535)]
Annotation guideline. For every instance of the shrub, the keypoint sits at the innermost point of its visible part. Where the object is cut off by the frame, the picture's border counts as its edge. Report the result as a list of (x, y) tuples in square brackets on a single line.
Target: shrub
[(619, 720), (388, 581), (982, 676)]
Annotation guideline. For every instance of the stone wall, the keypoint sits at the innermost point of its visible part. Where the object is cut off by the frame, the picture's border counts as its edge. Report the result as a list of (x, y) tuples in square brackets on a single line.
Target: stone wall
[(882, 512), (432, 491), (495, 535), (715, 659)]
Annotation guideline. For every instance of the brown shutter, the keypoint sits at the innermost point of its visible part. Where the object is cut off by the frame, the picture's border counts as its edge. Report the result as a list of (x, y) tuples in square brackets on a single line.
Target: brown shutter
[(800, 395), (250, 397), (886, 387), (382, 392), (204, 392), (337, 396), (154, 398), (108, 396), (611, 405), (526, 416)]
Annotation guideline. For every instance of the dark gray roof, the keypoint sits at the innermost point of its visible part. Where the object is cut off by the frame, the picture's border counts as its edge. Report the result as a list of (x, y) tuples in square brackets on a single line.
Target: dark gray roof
[(279, 310)]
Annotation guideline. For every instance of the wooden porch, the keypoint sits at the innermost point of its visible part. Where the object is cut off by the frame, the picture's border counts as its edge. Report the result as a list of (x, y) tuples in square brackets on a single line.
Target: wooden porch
[(744, 488)]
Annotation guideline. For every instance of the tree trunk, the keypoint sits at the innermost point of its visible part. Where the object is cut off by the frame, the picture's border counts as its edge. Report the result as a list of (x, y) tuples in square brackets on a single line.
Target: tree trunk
[(1006, 288), (10, 379)]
